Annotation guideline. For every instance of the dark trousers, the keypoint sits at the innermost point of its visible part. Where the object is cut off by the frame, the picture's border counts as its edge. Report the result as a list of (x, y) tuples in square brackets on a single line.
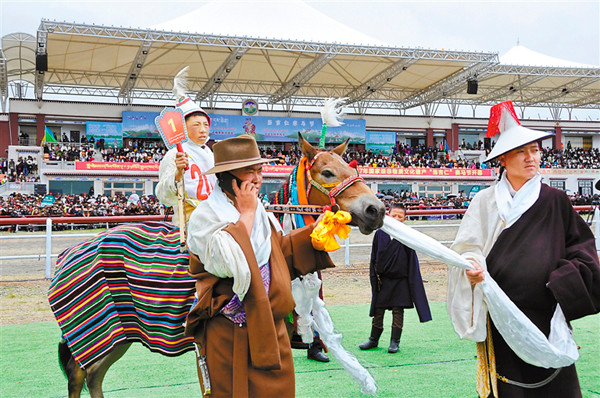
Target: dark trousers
[(397, 321)]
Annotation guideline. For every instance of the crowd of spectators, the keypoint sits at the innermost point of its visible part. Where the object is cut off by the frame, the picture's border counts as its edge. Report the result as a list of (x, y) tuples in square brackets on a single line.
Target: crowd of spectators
[(25, 169), (134, 150), (89, 205), (403, 156), (571, 158), (412, 156), (84, 205)]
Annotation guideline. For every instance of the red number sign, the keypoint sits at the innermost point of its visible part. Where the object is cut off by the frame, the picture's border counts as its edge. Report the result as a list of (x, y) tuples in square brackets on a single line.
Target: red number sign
[(172, 126)]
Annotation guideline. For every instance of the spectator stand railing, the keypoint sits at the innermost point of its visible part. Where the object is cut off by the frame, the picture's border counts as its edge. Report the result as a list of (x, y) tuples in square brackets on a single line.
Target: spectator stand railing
[(112, 220)]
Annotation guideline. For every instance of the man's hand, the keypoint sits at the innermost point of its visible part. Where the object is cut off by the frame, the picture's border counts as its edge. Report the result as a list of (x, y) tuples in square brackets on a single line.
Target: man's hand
[(246, 201), (181, 162), (475, 276)]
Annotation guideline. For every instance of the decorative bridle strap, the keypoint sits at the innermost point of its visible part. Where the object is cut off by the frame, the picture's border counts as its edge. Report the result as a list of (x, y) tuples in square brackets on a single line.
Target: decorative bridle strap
[(341, 187), (334, 189)]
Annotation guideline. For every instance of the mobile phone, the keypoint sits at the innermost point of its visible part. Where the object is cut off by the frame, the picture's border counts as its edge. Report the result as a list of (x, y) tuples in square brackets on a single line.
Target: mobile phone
[(226, 182)]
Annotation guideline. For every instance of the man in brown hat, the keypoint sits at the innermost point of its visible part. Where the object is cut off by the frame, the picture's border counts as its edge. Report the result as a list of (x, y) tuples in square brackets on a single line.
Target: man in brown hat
[(244, 266)]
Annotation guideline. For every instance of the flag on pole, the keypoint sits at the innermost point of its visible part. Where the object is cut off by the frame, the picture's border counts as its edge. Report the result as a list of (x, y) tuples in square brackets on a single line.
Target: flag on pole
[(447, 150), (48, 136)]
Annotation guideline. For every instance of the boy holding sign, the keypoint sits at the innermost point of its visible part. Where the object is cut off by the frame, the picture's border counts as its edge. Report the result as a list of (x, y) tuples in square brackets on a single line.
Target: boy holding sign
[(188, 161)]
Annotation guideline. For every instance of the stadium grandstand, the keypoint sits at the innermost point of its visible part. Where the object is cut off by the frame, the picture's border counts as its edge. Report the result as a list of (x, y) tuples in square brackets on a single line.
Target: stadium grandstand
[(78, 104)]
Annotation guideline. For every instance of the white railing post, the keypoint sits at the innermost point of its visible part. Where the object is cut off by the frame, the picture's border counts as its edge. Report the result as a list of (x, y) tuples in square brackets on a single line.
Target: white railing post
[(347, 250), (48, 247)]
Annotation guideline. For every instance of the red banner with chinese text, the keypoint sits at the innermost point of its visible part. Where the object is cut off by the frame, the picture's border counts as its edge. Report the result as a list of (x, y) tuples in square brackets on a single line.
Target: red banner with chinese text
[(115, 166), (398, 171)]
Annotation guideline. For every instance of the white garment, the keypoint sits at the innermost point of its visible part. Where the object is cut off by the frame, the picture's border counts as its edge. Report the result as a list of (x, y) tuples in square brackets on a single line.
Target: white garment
[(476, 236), (512, 204), (218, 251), (490, 212), (522, 336), (166, 191)]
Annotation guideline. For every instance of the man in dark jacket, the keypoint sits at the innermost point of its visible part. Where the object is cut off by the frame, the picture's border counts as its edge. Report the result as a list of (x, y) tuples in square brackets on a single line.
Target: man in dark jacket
[(396, 284)]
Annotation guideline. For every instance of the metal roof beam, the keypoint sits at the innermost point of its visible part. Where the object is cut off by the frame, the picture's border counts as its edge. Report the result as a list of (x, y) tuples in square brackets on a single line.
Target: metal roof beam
[(554, 93), (546, 71), (591, 100), (503, 92), (134, 70), (3, 82), (42, 40), (376, 82), (290, 87), (255, 43), (214, 82), (518, 103), (450, 85)]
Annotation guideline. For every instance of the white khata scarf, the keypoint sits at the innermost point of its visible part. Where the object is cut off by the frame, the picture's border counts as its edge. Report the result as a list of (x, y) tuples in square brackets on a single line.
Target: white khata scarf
[(261, 230), (511, 207)]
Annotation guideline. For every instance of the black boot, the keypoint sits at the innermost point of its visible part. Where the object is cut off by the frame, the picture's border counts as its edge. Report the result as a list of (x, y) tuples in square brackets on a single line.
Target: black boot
[(315, 351), (373, 339), (395, 340)]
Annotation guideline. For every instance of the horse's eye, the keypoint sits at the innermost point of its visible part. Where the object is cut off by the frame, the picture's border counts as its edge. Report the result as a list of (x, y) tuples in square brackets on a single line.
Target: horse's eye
[(327, 174)]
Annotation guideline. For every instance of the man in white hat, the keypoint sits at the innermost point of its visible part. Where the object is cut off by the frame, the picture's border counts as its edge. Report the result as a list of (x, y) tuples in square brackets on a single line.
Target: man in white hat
[(189, 166), (243, 266), (540, 252)]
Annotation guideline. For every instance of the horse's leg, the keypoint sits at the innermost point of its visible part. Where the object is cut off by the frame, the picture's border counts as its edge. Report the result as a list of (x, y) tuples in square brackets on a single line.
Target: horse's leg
[(97, 371), (75, 375)]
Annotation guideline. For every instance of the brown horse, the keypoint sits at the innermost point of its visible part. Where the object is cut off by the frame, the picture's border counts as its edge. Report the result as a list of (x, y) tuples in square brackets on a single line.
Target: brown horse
[(111, 264)]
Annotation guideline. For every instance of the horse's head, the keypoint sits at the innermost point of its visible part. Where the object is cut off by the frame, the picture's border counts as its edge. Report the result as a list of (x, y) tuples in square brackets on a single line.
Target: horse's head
[(332, 177)]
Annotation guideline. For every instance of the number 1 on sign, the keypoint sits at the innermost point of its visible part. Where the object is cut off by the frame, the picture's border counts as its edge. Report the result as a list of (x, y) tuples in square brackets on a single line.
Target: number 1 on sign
[(172, 124)]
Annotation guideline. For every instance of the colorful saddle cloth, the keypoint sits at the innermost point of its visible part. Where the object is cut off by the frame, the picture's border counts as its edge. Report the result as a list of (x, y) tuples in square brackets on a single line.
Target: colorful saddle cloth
[(129, 283)]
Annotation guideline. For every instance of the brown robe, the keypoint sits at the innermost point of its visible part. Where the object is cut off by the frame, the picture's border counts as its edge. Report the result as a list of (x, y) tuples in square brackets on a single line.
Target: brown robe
[(253, 359), (548, 256)]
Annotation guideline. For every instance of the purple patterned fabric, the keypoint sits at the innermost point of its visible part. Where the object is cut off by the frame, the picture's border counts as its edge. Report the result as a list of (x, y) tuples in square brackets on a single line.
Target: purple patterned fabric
[(234, 310)]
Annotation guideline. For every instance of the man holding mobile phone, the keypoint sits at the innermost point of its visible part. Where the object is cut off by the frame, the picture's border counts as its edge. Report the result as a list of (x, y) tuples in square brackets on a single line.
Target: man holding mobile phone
[(243, 266)]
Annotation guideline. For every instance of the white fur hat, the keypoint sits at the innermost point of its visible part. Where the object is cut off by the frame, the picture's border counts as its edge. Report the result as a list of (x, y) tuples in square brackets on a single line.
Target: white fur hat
[(188, 107), (504, 121), (184, 102)]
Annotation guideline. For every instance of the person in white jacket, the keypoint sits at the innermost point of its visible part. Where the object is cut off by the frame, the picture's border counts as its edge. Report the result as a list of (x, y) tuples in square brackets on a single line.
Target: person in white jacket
[(188, 166)]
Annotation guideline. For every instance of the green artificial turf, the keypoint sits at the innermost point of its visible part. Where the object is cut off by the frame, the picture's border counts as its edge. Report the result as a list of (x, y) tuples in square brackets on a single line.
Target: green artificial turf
[(432, 362)]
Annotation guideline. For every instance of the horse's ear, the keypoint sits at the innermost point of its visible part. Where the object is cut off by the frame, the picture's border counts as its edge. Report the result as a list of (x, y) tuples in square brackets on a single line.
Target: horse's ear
[(308, 150), (340, 149)]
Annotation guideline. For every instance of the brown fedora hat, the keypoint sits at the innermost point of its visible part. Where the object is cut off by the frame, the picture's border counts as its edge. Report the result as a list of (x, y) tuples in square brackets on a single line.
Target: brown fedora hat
[(235, 153)]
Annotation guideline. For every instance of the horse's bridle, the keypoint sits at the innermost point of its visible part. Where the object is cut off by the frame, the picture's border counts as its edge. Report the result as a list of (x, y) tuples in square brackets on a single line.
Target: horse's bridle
[(334, 189)]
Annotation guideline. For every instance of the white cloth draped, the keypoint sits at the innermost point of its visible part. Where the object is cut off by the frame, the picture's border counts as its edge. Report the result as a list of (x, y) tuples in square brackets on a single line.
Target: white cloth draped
[(313, 314), (512, 204), (468, 307), (218, 251)]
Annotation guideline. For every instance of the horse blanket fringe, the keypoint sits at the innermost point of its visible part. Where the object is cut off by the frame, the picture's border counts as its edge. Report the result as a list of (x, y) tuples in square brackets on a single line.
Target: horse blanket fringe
[(129, 283)]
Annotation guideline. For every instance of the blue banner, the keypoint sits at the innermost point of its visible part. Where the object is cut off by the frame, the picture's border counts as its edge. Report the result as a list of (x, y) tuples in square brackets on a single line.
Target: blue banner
[(140, 124), (285, 129), (111, 132), (382, 142), (264, 128)]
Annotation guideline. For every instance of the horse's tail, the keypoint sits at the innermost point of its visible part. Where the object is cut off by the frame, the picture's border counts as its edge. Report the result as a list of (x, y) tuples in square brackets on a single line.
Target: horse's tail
[(64, 354), (74, 374)]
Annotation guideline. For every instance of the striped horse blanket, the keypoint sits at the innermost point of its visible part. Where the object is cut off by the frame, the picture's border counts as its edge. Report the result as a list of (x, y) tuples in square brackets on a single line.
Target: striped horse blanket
[(129, 283)]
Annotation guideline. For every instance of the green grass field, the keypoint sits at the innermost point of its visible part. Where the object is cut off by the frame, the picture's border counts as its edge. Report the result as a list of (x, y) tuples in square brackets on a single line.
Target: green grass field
[(432, 362)]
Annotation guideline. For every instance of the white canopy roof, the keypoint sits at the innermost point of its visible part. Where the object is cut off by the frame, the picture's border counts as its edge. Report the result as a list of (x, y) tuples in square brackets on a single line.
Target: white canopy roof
[(521, 55), (284, 19), (284, 54)]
